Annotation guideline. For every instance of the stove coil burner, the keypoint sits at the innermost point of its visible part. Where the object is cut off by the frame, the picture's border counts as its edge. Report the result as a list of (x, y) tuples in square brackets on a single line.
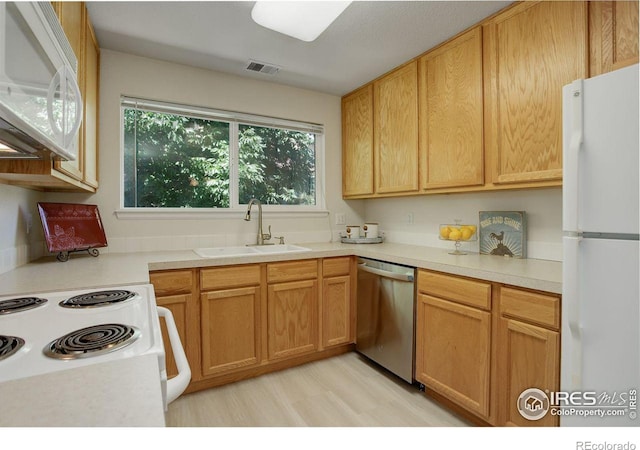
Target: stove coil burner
[(92, 341), (9, 345), (15, 305), (96, 299)]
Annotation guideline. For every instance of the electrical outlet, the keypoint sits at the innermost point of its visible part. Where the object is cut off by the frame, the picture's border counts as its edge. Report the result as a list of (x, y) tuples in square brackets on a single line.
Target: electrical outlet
[(29, 222), (341, 219)]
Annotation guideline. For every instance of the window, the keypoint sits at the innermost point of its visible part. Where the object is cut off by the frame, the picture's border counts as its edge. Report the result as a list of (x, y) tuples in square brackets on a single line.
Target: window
[(178, 156)]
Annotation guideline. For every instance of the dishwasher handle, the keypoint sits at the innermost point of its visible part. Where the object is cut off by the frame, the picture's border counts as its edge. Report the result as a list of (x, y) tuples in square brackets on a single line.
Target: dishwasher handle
[(386, 274)]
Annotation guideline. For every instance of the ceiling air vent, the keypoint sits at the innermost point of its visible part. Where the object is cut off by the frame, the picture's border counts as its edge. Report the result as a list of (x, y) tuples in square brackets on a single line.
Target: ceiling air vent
[(257, 66)]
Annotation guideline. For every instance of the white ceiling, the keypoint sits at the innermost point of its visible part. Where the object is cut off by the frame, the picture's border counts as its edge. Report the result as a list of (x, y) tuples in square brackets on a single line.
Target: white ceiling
[(367, 40)]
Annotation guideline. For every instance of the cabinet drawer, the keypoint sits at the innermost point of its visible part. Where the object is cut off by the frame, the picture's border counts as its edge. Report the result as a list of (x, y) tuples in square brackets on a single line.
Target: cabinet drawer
[(461, 290), (333, 267), (292, 270), (531, 306), (171, 282), (229, 277)]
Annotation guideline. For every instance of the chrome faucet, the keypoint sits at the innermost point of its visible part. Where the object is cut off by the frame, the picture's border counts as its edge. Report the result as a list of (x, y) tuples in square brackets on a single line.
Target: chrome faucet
[(261, 236)]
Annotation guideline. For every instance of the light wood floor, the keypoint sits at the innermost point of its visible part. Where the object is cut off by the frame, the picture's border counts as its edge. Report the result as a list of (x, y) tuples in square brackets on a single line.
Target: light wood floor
[(344, 391)]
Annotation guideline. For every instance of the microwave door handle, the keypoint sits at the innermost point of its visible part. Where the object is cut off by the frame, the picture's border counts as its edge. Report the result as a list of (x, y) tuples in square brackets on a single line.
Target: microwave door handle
[(177, 384), (78, 99), (55, 82)]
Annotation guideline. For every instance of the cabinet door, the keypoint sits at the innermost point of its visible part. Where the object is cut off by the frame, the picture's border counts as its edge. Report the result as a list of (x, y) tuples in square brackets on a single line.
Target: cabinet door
[(230, 329), (530, 52), (175, 290), (529, 358), (357, 143), (451, 146), (178, 305), (292, 318), (613, 35), (90, 120), (396, 130), (336, 310), (453, 351)]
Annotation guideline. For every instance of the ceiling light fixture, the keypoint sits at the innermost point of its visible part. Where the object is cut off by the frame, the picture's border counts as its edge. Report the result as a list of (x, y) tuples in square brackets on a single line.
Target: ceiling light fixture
[(304, 20)]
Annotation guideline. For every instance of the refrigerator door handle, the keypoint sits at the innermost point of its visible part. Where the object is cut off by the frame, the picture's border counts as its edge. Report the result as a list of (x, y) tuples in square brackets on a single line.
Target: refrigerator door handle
[(571, 307), (571, 155)]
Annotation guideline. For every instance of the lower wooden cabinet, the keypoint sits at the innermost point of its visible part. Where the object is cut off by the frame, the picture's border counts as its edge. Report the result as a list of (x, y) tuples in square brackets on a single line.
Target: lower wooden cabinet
[(292, 318), (338, 301), (453, 350), (292, 308), (244, 320), (528, 351), (178, 305), (230, 317), (230, 329), (481, 344), (174, 291), (336, 310)]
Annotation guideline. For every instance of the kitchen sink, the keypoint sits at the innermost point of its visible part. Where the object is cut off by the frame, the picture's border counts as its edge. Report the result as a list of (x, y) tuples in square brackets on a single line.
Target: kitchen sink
[(280, 248), (221, 252)]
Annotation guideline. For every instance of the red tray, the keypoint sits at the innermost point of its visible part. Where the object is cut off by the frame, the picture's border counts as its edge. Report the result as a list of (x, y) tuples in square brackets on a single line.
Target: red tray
[(71, 227)]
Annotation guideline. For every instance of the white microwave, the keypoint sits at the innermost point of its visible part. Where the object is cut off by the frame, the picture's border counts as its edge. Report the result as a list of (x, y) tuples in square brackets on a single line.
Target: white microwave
[(40, 101)]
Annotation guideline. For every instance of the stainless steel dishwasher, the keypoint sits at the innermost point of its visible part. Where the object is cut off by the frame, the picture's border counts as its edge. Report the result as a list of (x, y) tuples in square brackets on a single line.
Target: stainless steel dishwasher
[(385, 315)]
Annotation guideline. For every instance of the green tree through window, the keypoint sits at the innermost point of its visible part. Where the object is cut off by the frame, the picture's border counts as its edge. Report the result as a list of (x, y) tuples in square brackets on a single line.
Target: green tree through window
[(178, 161)]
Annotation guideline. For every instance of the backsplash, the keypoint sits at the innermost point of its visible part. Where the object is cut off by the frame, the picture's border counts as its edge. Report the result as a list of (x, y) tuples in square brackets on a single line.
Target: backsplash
[(13, 257), (21, 237), (416, 220), (189, 242)]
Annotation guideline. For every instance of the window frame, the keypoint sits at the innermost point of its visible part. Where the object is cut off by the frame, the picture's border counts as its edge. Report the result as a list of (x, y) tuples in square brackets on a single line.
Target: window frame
[(235, 119)]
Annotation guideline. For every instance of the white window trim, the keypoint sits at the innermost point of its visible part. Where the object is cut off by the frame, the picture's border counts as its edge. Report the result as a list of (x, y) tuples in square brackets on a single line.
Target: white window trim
[(236, 209)]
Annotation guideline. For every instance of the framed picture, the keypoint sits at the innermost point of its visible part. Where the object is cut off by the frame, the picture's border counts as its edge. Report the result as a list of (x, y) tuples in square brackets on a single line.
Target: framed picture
[(503, 233)]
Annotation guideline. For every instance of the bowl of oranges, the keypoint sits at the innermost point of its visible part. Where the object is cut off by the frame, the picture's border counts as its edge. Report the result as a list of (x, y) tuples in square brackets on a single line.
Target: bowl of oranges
[(458, 233)]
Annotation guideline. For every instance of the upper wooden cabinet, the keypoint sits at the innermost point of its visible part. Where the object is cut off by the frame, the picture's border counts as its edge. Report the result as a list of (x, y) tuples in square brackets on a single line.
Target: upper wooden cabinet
[(613, 35), (357, 143), (90, 95), (489, 101), (80, 174), (395, 100), (451, 146), (530, 52)]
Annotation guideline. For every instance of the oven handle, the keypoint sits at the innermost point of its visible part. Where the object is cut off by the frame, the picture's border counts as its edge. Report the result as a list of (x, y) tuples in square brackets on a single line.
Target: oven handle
[(177, 384)]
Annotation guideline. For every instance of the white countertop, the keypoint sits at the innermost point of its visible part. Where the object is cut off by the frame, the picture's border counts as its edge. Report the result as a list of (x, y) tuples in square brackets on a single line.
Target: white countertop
[(83, 271), (122, 393), (127, 392)]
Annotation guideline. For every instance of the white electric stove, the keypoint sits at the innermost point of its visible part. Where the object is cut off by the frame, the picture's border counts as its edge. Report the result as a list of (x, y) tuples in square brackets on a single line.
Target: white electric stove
[(48, 332)]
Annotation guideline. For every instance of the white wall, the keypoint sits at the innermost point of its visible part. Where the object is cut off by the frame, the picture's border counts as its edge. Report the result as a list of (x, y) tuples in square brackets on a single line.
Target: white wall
[(20, 228), (124, 74), (543, 209)]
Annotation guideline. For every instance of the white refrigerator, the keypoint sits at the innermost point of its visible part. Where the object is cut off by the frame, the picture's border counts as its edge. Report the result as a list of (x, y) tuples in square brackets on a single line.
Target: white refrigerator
[(600, 354)]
